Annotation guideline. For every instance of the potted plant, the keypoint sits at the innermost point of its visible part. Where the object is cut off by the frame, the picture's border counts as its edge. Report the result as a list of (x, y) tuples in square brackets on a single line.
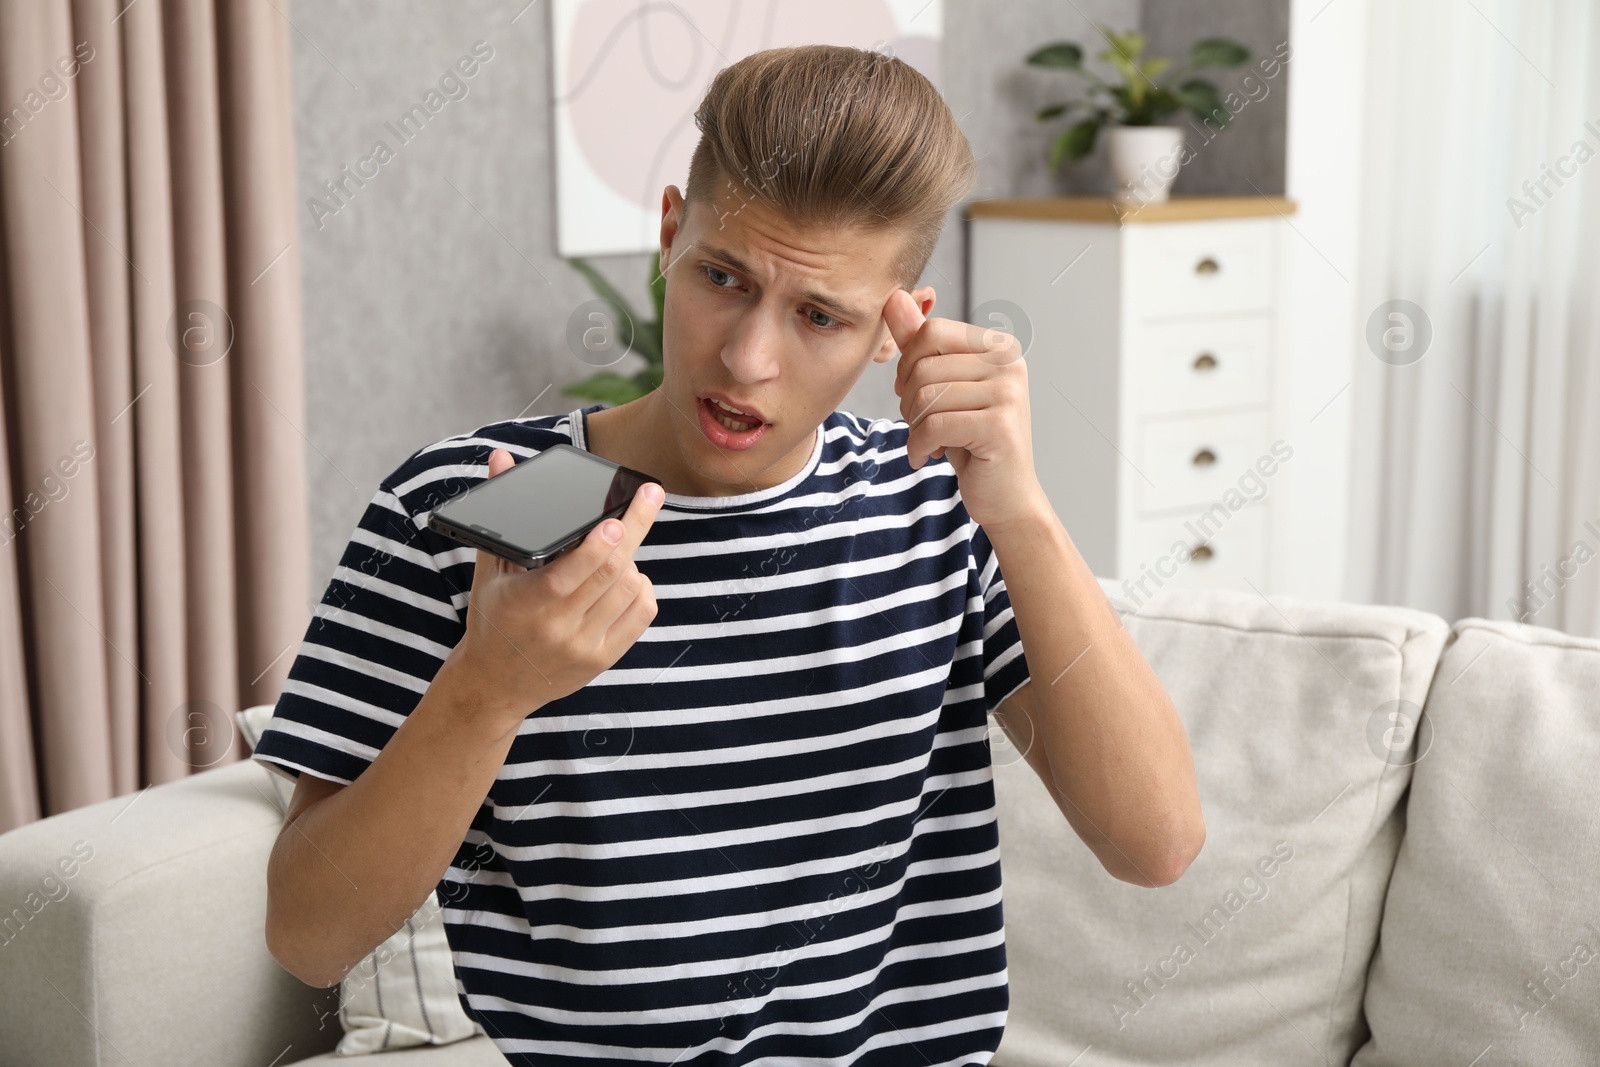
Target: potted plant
[(1144, 152), (632, 334)]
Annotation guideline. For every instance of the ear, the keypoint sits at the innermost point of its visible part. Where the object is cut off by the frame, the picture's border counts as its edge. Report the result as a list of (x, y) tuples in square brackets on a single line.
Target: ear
[(925, 298), (672, 219)]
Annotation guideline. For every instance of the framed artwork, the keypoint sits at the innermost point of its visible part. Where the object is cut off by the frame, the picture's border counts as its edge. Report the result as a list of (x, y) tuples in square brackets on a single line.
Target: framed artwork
[(629, 74)]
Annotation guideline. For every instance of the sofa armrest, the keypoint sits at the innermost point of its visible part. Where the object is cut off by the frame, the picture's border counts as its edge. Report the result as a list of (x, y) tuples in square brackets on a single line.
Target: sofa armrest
[(133, 931)]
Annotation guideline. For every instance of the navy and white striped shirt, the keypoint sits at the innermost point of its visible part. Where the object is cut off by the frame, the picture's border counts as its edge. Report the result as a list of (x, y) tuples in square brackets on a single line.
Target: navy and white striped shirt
[(767, 833)]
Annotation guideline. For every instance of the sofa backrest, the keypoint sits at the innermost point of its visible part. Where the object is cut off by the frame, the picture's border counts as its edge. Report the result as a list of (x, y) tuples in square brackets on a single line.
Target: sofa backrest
[(1297, 715), (1490, 949)]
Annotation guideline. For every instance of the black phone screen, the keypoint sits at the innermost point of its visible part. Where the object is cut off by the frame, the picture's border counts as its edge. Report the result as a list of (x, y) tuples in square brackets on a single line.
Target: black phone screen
[(542, 503)]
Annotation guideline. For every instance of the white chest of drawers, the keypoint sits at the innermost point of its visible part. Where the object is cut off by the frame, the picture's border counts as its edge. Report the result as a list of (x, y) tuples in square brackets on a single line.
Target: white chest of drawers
[(1153, 344)]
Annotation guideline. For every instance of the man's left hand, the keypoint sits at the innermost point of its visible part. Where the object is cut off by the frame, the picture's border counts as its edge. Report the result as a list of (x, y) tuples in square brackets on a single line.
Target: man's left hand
[(963, 389)]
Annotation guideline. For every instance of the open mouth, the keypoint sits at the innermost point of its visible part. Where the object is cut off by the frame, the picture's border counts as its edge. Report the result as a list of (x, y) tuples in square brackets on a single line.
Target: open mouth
[(739, 423), (727, 429)]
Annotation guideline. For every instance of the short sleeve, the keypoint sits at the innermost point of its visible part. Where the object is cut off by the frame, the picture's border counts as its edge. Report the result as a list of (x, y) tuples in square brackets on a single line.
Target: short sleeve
[(386, 623), (1005, 669)]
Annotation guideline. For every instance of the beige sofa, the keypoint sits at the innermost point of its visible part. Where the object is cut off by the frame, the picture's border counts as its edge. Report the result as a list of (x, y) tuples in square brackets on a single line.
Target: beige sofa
[(1354, 904)]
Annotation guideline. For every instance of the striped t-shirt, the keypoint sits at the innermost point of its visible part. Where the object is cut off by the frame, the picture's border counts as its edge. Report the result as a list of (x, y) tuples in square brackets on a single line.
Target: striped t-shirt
[(767, 833)]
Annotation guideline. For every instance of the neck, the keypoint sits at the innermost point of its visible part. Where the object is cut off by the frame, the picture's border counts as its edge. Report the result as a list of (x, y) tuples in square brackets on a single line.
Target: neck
[(649, 435)]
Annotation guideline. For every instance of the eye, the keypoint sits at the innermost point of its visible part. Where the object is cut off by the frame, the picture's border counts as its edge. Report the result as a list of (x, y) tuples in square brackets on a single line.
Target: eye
[(826, 329), (712, 274), (707, 270)]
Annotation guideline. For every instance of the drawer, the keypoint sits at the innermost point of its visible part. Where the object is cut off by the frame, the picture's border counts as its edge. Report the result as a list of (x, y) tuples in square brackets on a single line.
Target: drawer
[(1196, 364), (1223, 549), (1198, 268), (1192, 461)]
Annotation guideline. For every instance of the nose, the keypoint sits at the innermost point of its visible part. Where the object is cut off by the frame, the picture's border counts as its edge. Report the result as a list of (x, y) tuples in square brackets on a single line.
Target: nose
[(752, 352)]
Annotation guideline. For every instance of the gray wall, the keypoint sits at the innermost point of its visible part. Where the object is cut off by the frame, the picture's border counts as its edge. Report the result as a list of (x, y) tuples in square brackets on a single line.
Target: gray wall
[(434, 300), (1247, 156)]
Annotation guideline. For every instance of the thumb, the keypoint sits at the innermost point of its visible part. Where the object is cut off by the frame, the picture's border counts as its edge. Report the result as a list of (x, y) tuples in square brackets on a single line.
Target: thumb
[(903, 317), (500, 461)]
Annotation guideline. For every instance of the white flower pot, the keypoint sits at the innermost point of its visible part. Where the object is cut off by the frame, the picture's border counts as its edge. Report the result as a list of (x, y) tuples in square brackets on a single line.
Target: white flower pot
[(1145, 160)]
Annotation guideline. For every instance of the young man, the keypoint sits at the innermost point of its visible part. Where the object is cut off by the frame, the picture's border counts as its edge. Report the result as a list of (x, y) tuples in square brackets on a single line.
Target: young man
[(718, 788)]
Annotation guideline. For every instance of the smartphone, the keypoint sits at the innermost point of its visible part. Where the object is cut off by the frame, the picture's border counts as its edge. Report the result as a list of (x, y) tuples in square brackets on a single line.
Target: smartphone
[(542, 506)]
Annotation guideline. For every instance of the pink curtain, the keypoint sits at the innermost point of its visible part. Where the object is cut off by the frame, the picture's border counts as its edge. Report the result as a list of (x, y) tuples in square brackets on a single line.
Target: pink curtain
[(153, 552)]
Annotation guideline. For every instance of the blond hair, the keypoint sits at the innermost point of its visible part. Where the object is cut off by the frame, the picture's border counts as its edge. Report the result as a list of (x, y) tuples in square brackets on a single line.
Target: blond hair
[(834, 137)]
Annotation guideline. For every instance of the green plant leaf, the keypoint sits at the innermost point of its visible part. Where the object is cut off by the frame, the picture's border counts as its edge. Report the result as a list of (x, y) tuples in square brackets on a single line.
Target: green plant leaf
[(658, 287), (1076, 141), (647, 343), (1063, 55), (603, 288), (1045, 114), (1155, 65), (655, 349), (607, 387), (649, 378), (645, 340), (1217, 52), (1160, 104), (1200, 97), (1124, 104), (1124, 67), (1124, 56), (1129, 43)]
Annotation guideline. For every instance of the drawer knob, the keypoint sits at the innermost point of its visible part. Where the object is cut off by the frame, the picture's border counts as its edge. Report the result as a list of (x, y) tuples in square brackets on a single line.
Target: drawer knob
[(1204, 458), (1205, 361), (1207, 266), (1200, 551)]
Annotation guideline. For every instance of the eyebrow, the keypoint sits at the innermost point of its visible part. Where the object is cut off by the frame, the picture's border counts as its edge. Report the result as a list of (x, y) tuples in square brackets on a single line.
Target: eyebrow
[(822, 299)]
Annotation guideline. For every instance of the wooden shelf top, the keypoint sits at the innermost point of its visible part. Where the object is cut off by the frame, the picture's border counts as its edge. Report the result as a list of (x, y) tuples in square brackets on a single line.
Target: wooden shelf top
[(1108, 209)]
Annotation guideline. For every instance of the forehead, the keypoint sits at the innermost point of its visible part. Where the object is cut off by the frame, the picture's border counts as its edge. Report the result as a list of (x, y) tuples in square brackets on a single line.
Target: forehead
[(844, 270)]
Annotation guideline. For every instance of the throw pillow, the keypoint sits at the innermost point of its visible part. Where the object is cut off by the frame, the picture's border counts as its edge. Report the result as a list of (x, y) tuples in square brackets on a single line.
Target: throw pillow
[(1490, 944), (1258, 954)]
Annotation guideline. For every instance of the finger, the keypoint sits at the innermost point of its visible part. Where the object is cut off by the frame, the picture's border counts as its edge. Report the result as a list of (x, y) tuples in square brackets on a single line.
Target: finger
[(946, 396), (903, 316), (640, 516), (486, 564), (637, 520), (577, 568), (500, 461), (990, 347), (933, 368), (947, 429), (997, 345), (927, 442), (635, 618), (617, 598)]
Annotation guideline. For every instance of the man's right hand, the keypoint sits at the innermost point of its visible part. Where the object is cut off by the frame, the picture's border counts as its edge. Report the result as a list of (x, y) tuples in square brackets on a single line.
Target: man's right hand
[(534, 636)]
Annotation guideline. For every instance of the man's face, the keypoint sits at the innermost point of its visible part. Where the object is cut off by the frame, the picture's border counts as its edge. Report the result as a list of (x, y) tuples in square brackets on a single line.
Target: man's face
[(778, 321)]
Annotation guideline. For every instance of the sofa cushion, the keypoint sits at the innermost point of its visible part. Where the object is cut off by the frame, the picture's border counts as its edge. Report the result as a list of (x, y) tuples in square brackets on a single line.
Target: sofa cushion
[(1259, 953), (1491, 932)]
